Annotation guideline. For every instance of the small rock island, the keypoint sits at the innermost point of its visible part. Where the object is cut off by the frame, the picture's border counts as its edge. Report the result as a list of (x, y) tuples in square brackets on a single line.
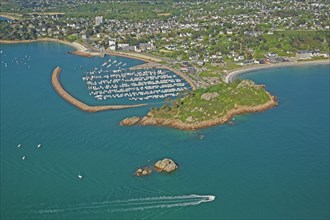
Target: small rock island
[(165, 165), (143, 171), (206, 107)]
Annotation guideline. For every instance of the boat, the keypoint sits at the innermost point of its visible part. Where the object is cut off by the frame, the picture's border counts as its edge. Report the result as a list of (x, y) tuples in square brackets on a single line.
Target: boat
[(19, 145), (39, 145), (24, 157), (80, 176)]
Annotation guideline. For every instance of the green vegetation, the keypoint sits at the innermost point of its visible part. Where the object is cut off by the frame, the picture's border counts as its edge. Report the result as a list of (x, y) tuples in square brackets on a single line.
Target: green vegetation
[(282, 41), (72, 37), (212, 102)]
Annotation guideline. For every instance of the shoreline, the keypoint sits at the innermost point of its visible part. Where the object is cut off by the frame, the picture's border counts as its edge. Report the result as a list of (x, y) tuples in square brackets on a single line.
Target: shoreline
[(232, 75), (11, 17), (55, 80), (82, 51), (75, 45), (141, 57), (175, 123)]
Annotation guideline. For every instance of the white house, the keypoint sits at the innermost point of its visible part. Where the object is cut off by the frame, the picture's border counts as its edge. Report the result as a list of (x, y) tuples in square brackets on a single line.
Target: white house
[(304, 55), (112, 44), (98, 20)]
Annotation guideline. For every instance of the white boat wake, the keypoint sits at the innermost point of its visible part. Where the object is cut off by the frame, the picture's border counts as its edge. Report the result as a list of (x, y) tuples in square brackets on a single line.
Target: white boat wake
[(137, 204)]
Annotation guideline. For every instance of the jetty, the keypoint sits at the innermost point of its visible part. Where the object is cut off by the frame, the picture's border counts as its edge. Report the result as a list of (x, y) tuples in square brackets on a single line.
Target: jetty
[(55, 80)]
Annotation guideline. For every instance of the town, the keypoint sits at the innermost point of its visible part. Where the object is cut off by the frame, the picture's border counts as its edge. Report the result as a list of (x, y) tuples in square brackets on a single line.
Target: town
[(203, 39)]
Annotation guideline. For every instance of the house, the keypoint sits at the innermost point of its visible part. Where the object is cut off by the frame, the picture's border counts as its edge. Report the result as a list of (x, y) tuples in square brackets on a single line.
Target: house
[(304, 55), (238, 58), (170, 47), (129, 48), (112, 47), (316, 53), (200, 63), (271, 55), (112, 44), (98, 20), (146, 46)]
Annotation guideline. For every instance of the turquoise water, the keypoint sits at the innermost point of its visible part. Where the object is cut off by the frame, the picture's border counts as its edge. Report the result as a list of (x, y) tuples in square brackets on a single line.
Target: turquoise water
[(4, 19), (269, 165)]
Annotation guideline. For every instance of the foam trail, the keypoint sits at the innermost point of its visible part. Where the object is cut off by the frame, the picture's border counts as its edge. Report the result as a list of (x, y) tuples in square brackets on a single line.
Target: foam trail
[(138, 204)]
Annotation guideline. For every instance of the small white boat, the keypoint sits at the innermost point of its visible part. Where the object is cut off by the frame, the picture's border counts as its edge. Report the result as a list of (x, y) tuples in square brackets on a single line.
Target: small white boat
[(39, 145), (24, 157), (19, 145), (80, 176)]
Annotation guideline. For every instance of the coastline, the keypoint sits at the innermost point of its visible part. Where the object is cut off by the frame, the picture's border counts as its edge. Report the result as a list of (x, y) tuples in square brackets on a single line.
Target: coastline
[(11, 17), (141, 57), (82, 51), (232, 75), (175, 123), (55, 80), (75, 45)]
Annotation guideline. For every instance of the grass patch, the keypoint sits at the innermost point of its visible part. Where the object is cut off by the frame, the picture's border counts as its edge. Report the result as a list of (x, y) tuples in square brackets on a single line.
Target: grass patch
[(195, 108)]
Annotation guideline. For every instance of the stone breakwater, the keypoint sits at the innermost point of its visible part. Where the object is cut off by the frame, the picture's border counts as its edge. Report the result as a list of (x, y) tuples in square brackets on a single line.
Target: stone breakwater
[(64, 94), (175, 123)]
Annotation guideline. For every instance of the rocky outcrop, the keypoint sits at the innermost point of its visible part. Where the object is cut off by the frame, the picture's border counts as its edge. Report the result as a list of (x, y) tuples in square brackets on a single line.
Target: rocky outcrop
[(166, 165), (151, 120), (249, 84), (130, 121), (209, 96), (143, 171)]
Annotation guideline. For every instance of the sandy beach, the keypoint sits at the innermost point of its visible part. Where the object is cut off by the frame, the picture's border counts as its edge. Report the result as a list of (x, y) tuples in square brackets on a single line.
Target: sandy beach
[(77, 46), (137, 56), (80, 50), (232, 75), (11, 17)]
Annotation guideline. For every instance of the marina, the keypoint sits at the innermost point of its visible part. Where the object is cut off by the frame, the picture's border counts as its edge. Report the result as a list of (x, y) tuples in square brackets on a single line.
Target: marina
[(69, 98), (134, 84)]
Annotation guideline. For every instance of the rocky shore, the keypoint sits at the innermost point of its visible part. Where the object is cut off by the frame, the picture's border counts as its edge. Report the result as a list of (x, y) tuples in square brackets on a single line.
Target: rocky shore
[(175, 123), (130, 121)]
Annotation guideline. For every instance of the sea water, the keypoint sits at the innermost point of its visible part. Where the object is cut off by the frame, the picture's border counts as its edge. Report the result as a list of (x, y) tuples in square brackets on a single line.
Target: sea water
[(268, 165), (4, 19)]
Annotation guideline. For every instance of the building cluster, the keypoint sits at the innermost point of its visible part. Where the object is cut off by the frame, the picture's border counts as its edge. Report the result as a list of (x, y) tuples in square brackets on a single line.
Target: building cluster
[(197, 32)]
